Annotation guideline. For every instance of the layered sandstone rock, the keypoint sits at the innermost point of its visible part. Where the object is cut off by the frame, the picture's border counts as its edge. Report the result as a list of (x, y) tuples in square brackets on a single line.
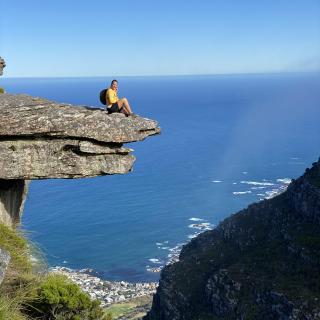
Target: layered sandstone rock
[(42, 139)]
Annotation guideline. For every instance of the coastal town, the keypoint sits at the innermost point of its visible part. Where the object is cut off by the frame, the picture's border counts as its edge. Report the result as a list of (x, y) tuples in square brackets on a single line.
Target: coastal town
[(107, 292)]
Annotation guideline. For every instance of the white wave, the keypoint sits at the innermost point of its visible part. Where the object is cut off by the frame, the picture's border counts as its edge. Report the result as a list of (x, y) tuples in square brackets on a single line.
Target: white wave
[(154, 270), (59, 268), (275, 191), (159, 244), (245, 172), (241, 192), (257, 188), (234, 183), (195, 219), (216, 181), (272, 193), (255, 183), (284, 180), (191, 236), (165, 248), (154, 260), (176, 248)]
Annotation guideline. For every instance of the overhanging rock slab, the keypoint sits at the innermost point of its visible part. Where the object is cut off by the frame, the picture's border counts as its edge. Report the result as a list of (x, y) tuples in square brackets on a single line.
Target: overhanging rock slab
[(42, 139)]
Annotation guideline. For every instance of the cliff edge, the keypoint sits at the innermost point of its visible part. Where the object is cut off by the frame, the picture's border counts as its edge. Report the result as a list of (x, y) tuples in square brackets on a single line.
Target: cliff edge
[(42, 139), (261, 263)]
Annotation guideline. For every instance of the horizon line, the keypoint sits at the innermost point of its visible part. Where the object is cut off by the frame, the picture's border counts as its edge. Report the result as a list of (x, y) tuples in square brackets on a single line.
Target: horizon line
[(167, 75)]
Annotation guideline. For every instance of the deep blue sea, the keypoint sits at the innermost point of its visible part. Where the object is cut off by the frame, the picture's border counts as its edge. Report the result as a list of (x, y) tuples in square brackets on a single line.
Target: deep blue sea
[(226, 141)]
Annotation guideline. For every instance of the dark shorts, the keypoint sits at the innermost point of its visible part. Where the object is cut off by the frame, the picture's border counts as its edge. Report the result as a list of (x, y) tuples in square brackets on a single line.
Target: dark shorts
[(114, 108)]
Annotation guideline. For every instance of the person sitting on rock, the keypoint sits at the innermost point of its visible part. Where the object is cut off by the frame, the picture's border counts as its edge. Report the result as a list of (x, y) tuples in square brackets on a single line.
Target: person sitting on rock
[(114, 104), (2, 65)]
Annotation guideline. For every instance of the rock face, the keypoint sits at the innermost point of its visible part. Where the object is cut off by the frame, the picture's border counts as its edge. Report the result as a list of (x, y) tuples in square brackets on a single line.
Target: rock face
[(4, 261), (261, 263), (41, 139), (13, 194)]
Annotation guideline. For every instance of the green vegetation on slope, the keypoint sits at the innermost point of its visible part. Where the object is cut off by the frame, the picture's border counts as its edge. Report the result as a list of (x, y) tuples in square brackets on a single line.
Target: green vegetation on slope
[(14, 242), (130, 310), (26, 294)]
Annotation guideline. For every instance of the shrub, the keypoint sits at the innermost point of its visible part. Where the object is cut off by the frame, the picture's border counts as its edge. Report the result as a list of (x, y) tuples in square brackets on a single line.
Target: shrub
[(108, 316), (58, 298), (26, 293)]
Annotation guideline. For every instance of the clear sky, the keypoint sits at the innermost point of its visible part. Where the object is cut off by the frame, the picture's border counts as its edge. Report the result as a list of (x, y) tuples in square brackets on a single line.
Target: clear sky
[(41, 38)]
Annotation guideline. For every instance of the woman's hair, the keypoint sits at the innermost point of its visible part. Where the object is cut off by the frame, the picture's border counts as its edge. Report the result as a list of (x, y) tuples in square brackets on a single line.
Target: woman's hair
[(114, 80)]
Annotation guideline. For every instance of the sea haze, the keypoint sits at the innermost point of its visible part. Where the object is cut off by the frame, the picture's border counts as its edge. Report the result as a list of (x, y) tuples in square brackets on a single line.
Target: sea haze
[(226, 141)]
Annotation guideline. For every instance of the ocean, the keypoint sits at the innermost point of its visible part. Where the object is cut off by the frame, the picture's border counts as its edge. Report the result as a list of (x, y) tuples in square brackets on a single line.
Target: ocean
[(226, 141)]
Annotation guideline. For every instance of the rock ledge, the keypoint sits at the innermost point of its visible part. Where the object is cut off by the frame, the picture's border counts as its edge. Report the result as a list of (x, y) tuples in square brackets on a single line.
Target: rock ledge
[(42, 139)]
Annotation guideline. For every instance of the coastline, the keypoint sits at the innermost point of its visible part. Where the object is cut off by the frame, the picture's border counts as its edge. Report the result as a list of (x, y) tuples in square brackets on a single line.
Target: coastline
[(107, 292), (111, 292)]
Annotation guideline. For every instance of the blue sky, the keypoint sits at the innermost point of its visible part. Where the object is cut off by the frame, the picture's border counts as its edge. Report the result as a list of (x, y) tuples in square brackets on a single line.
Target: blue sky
[(145, 37)]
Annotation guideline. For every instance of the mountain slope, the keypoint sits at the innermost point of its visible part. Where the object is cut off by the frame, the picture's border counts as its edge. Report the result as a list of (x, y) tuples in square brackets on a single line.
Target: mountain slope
[(261, 263)]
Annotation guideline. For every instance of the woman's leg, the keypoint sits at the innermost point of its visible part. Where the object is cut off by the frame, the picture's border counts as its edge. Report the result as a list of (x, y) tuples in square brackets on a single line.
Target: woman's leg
[(124, 106)]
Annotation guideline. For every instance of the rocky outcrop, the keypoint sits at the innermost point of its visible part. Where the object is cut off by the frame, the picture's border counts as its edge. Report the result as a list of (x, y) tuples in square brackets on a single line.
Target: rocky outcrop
[(261, 263), (2, 66), (42, 139), (4, 262)]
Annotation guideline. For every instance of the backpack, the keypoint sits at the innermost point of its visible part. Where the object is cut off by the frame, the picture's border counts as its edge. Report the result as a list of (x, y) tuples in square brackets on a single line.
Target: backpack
[(103, 96)]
